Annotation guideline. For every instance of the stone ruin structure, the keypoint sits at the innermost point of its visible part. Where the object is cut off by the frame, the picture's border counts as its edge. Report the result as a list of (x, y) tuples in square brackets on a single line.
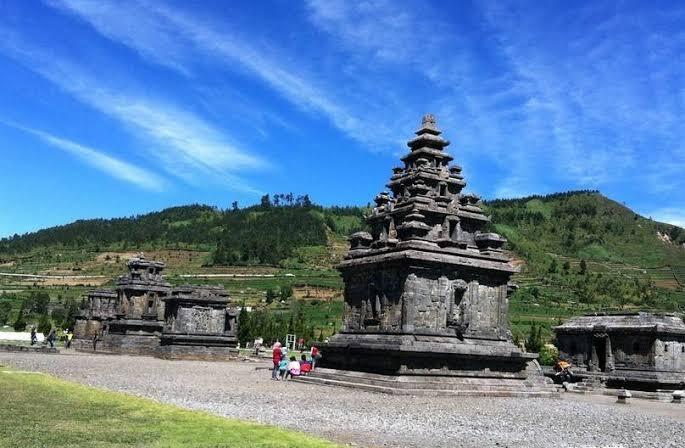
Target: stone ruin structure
[(198, 323), (140, 313), (637, 351), (426, 292), (144, 315), (98, 306)]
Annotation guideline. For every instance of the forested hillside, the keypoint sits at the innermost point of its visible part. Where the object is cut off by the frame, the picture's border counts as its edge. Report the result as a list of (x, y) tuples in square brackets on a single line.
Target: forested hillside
[(263, 234), (191, 224), (578, 252)]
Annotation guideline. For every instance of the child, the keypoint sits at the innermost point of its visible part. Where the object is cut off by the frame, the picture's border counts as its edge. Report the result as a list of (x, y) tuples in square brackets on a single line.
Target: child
[(305, 366), (282, 368), (293, 368)]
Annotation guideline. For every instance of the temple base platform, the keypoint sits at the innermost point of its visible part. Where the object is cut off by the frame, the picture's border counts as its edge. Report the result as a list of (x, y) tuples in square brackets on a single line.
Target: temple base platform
[(430, 365)]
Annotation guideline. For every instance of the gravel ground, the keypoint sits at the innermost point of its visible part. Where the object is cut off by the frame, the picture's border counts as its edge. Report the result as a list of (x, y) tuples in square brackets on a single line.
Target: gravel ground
[(237, 389)]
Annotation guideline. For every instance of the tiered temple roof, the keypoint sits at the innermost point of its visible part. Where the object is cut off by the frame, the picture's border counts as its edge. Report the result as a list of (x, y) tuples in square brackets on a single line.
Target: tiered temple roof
[(426, 205)]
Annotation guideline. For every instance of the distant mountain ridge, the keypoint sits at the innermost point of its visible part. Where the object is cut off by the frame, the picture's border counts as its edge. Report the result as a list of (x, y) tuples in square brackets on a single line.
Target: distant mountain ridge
[(579, 251)]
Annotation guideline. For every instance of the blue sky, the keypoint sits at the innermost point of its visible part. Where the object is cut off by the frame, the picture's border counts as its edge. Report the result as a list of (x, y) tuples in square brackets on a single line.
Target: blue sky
[(117, 108)]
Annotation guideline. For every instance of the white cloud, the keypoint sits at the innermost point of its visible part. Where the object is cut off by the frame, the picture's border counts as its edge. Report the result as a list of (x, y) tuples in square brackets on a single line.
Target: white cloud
[(185, 145), (128, 24), (385, 29), (112, 166), (169, 37)]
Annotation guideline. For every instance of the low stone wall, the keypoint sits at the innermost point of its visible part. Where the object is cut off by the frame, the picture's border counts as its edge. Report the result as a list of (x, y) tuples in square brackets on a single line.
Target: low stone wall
[(196, 352), (27, 348)]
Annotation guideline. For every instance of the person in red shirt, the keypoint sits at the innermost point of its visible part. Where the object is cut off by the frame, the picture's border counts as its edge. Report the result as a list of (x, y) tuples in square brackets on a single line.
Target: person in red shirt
[(276, 358), (305, 366), (315, 356)]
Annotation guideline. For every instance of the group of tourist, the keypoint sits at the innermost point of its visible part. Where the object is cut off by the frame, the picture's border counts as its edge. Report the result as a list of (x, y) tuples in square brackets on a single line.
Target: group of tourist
[(52, 337), (285, 368)]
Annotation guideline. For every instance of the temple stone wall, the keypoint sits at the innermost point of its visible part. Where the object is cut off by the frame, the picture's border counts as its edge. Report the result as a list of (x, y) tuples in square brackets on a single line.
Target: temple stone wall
[(669, 355), (373, 300), (632, 351), (140, 303), (191, 352), (199, 319), (132, 344), (577, 349)]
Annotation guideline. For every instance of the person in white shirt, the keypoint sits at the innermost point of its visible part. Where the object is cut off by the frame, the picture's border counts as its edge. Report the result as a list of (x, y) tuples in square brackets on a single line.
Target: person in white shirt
[(293, 368)]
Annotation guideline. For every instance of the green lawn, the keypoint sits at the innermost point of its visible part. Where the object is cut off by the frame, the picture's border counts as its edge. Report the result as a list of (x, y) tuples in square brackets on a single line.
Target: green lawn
[(41, 411)]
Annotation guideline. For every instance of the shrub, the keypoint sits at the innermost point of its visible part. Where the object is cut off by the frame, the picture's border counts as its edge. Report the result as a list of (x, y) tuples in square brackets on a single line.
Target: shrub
[(548, 355), (5, 309), (44, 324)]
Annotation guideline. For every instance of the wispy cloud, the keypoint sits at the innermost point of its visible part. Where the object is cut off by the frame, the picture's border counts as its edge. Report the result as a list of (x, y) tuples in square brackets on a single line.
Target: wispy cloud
[(385, 29), (599, 94), (109, 165), (185, 145), (582, 92), (128, 24), (172, 38)]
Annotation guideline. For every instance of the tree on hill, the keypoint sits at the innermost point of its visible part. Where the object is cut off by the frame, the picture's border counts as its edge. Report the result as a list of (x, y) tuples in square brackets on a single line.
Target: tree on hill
[(37, 302), (20, 321), (266, 201), (44, 324), (534, 341), (583, 267), (286, 291), (5, 310)]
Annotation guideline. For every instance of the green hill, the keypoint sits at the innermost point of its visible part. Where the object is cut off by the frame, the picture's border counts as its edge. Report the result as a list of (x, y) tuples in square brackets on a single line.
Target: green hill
[(578, 252), (582, 252)]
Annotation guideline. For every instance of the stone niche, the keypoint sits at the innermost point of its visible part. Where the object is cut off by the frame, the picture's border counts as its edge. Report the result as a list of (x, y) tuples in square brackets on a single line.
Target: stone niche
[(426, 290), (635, 350)]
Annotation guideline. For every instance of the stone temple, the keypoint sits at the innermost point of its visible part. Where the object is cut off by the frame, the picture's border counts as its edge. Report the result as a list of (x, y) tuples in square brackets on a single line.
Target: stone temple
[(426, 292), (636, 350), (144, 315)]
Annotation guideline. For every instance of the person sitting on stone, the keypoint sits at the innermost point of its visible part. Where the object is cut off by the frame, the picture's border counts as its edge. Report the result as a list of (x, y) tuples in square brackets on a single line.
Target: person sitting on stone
[(305, 366), (293, 368)]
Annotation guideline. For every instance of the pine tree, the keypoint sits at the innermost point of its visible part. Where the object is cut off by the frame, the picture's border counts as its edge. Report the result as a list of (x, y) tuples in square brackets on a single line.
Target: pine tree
[(44, 324), (553, 266), (534, 341), (20, 322), (583, 267)]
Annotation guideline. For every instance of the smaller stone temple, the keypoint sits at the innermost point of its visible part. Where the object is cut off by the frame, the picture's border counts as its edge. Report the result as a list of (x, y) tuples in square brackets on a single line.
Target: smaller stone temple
[(140, 314), (97, 307), (144, 315), (635, 350)]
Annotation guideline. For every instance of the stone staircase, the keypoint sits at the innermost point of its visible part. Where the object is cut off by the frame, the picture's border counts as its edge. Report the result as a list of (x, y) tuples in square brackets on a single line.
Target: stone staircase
[(431, 386), (586, 386)]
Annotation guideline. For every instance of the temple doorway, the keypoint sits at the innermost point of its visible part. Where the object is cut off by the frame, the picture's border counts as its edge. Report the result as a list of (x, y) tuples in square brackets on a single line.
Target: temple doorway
[(599, 346)]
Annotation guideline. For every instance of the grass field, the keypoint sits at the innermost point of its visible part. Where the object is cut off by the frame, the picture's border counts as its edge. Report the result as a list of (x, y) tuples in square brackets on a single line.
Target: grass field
[(41, 411)]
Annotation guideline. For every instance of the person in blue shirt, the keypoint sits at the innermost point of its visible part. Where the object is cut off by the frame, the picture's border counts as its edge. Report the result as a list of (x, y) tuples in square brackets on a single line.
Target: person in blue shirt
[(282, 368)]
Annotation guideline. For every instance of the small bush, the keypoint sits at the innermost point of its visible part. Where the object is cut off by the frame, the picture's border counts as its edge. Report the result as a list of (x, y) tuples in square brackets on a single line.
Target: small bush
[(548, 355)]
